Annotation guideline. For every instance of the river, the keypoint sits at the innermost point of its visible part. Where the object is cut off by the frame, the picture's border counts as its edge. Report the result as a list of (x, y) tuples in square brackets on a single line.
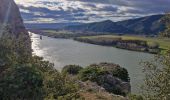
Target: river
[(63, 52)]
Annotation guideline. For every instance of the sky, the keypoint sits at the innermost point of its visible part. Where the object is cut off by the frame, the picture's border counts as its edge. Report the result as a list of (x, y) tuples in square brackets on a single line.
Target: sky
[(85, 11)]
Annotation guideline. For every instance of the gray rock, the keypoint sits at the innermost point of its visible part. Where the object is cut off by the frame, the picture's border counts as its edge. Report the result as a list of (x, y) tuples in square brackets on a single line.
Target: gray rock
[(112, 83), (10, 15)]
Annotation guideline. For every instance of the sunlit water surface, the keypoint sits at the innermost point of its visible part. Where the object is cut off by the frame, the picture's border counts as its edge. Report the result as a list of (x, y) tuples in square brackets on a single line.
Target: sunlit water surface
[(63, 52)]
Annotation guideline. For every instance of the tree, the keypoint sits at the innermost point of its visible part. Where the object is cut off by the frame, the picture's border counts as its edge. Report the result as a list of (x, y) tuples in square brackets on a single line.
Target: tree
[(157, 80), (55, 84), (166, 21), (27, 77), (71, 69), (21, 82)]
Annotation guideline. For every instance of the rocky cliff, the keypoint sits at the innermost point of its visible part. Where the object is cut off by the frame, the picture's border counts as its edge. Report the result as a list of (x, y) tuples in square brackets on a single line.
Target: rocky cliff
[(10, 16)]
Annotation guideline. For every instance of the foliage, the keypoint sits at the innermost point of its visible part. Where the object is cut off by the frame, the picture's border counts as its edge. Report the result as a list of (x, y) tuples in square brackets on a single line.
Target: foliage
[(54, 83), (21, 82), (135, 97), (71, 96), (91, 73), (106, 75), (23, 76), (122, 73), (157, 83), (7, 48), (166, 20), (26, 82), (13, 50), (72, 69)]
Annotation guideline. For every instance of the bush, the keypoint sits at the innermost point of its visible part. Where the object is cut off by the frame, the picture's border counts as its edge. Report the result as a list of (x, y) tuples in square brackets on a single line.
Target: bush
[(71, 96), (135, 97), (90, 73), (121, 73), (108, 76), (72, 69), (21, 82), (24, 77), (54, 83)]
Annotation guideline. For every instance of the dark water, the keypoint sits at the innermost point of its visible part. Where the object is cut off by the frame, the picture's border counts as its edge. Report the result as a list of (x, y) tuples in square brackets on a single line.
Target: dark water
[(62, 52)]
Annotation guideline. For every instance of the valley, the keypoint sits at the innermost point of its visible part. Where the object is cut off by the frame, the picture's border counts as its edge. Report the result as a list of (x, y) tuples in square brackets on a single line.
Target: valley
[(84, 50)]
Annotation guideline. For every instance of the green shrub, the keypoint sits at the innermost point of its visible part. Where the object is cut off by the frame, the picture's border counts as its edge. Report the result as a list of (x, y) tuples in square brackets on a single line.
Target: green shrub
[(72, 69), (21, 82), (135, 97), (71, 96), (104, 74), (121, 73), (54, 83), (90, 73), (27, 77)]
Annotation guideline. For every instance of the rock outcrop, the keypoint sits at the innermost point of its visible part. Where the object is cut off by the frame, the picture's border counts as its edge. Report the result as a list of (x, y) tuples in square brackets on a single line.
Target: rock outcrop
[(115, 78), (105, 77), (10, 16), (92, 91)]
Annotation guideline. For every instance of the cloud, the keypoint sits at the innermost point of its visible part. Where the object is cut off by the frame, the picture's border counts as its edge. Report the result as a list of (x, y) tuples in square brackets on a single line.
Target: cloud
[(56, 11)]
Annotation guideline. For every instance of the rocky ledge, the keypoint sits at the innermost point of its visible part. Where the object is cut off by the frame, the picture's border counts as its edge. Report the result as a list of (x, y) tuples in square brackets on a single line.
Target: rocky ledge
[(107, 78)]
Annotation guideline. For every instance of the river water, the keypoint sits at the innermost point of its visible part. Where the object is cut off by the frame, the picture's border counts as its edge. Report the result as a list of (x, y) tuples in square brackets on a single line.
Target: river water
[(63, 52)]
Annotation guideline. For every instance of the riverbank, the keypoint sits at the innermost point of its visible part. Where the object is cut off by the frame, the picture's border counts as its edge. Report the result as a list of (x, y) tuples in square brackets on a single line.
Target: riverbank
[(130, 42), (62, 34), (119, 42), (146, 44)]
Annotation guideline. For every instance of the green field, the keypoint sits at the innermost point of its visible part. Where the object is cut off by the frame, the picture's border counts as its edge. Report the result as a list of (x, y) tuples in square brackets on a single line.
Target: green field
[(164, 43)]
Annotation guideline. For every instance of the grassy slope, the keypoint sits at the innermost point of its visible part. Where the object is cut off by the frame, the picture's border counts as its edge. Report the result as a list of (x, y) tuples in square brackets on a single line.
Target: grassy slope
[(163, 42)]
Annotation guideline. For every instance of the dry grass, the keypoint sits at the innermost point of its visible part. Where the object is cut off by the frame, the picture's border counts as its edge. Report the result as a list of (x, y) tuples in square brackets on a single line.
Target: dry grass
[(91, 91), (100, 96)]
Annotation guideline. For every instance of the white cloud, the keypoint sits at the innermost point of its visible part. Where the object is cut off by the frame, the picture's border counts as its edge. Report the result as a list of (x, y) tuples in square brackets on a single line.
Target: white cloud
[(88, 10)]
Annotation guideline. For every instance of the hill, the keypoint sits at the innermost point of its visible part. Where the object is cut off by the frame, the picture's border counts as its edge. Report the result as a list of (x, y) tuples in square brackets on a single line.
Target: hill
[(48, 25), (104, 26), (145, 25)]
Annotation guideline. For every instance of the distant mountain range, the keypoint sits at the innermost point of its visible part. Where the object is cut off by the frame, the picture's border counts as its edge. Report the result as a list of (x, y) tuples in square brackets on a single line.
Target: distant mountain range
[(145, 25), (52, 26), (149, 25)]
